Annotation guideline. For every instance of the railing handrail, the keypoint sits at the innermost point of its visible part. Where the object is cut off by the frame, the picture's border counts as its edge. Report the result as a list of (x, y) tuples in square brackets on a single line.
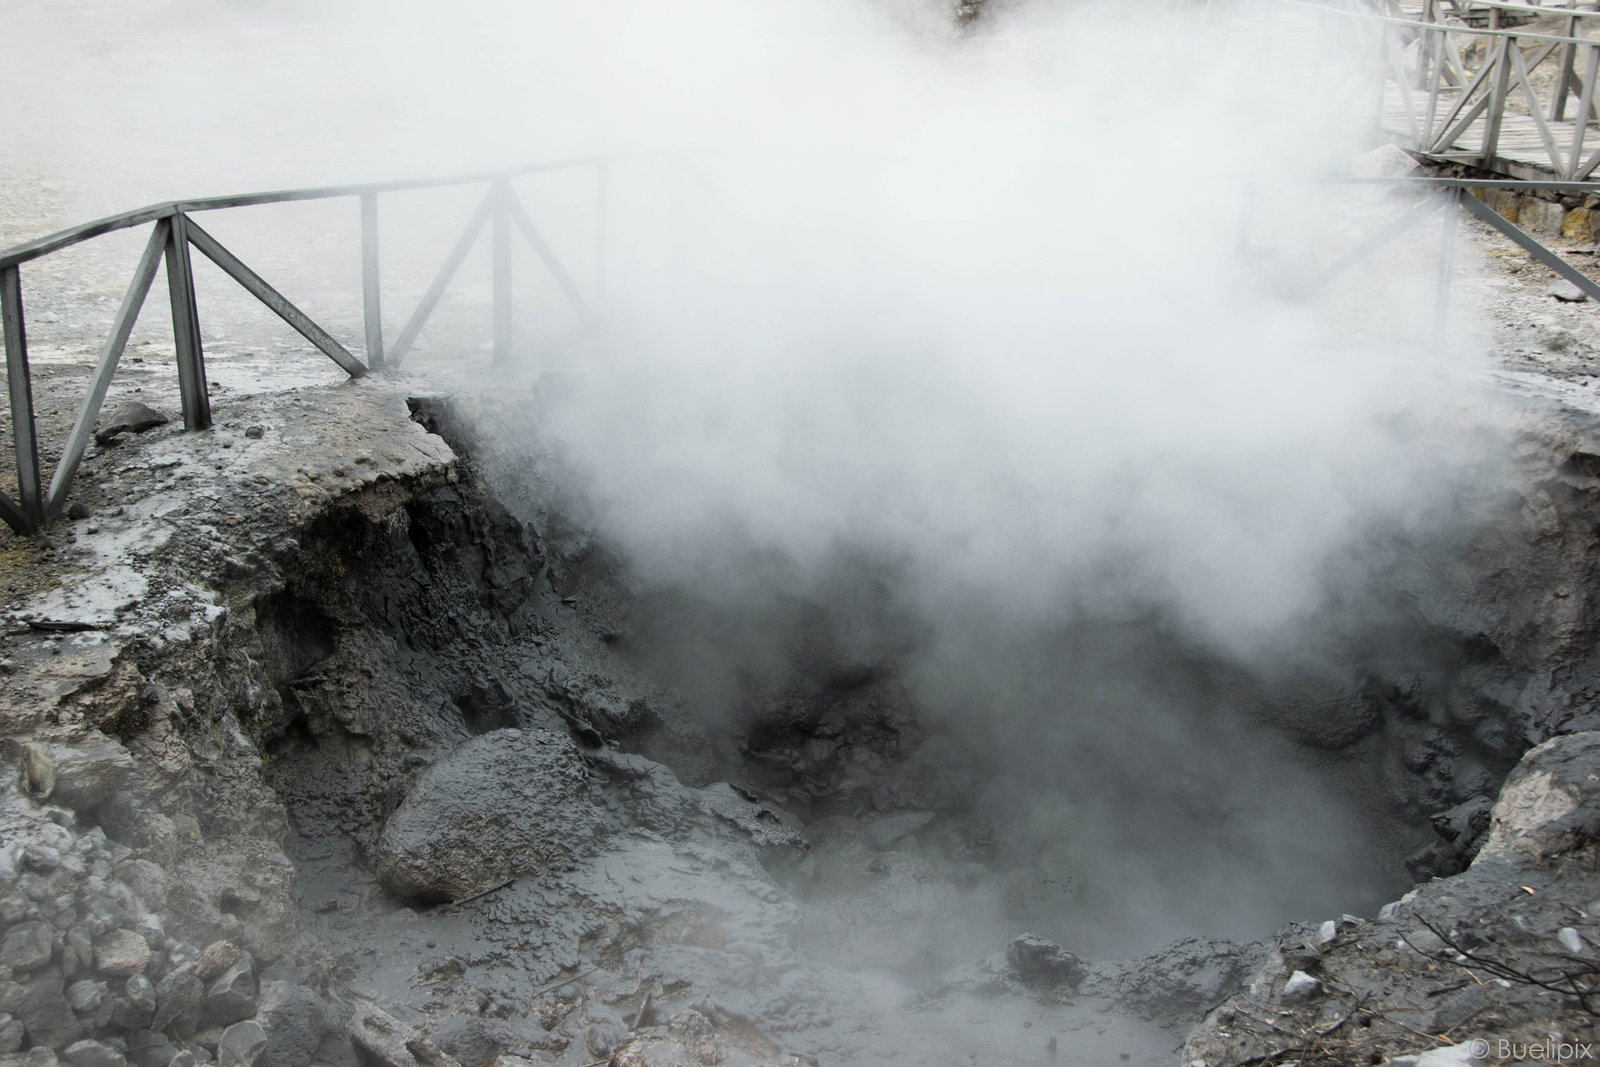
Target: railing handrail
[(54, 242), (1410, 23)]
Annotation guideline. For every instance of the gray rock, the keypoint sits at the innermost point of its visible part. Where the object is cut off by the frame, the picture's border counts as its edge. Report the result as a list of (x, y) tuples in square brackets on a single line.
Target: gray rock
[(379, 1037), (216, 958), (504, 804), (81, 944), (90, 1053), (297, 1021), (180, 998), (1175, 986), (1567, 293), (40, 1056), (12, 1033), (130, 417), (1301, 986), (121, 953), (1044, 963), (45, 1013), (86, 996), (1570, 940), (80, 776), (1457, 1008), (147, 880), (137, 1006), (150, 1048), (28, 946), (11, 996), (242, 1045), (232, 996)]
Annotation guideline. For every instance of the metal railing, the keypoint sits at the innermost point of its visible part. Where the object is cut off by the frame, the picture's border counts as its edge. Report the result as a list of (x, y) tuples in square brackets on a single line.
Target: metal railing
[(175, 232)]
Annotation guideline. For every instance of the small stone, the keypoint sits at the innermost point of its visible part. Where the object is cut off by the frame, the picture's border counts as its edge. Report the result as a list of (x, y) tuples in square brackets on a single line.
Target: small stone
[(40, 1056), (81, 945), (216, 958), (1327, 932), (1570, 940), (41, 858), (232, 997), (1044, 963), (1301, 986), (78, 510), (255, 432), (179, 1000), (80, 776), (28, 946), (90, 1053), (241, 1045), (12, 1033), (1567, 293), (131, 417), (150, 1048), (45, 1012), (86, 996), (121, 953)]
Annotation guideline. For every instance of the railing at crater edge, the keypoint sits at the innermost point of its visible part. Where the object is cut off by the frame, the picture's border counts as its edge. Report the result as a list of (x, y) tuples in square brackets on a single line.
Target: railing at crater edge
[(175, 232)]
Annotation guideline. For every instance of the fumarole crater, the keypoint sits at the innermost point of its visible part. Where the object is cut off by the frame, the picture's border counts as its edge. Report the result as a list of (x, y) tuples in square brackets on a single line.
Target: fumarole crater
[(423, 767)]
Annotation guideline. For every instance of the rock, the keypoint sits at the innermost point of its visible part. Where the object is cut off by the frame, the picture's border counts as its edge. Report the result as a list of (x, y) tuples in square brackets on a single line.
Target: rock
[(1457, 1008), (1426, 941), (40, 1056), (473, 1042), (1463, 824), (503, 804), (1327, 932), (1580, 224), (12, 1034), (1548, 805), (1570, 940), (241, 1045), (150, 1048), (297, 1022), (90, 1053), (121, 953), (179, 1000), (86, 996), (28, 946), (1567, 292), (1301, 986), (255, 432), (137, 1006), (381, 1039), (232, 996), (1449, 1056), (216, 958), (1540, 217), (45, 1013), (129, 417), (147, 880), (1175, 986), (1504, 201), (1044, 963)]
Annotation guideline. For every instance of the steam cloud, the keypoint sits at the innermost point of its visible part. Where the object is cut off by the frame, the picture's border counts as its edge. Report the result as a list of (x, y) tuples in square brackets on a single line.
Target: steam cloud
[(971, 307)]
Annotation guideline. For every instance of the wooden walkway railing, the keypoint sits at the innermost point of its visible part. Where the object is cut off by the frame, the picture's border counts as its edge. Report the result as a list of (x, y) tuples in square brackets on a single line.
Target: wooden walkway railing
[(1479, 83), (174, 232)]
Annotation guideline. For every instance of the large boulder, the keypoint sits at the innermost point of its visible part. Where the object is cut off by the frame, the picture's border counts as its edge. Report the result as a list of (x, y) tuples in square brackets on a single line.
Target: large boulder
[(505, 804)]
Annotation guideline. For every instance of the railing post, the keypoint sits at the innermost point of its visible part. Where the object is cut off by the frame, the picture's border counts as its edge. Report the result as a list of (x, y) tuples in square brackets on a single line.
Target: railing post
[(371, 305), (192, 386), (1447, 262), (500, 242), (23, 429), (1497, 100)]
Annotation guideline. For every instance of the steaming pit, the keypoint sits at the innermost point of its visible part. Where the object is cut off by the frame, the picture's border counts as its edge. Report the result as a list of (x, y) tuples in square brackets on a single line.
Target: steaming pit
[(498, 792)]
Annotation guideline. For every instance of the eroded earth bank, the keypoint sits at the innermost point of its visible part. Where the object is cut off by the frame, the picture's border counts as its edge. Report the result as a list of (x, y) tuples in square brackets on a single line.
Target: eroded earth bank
[(342, 734)]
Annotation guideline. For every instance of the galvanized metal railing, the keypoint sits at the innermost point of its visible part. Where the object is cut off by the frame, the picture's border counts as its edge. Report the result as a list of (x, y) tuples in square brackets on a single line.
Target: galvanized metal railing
[(175, 232)]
